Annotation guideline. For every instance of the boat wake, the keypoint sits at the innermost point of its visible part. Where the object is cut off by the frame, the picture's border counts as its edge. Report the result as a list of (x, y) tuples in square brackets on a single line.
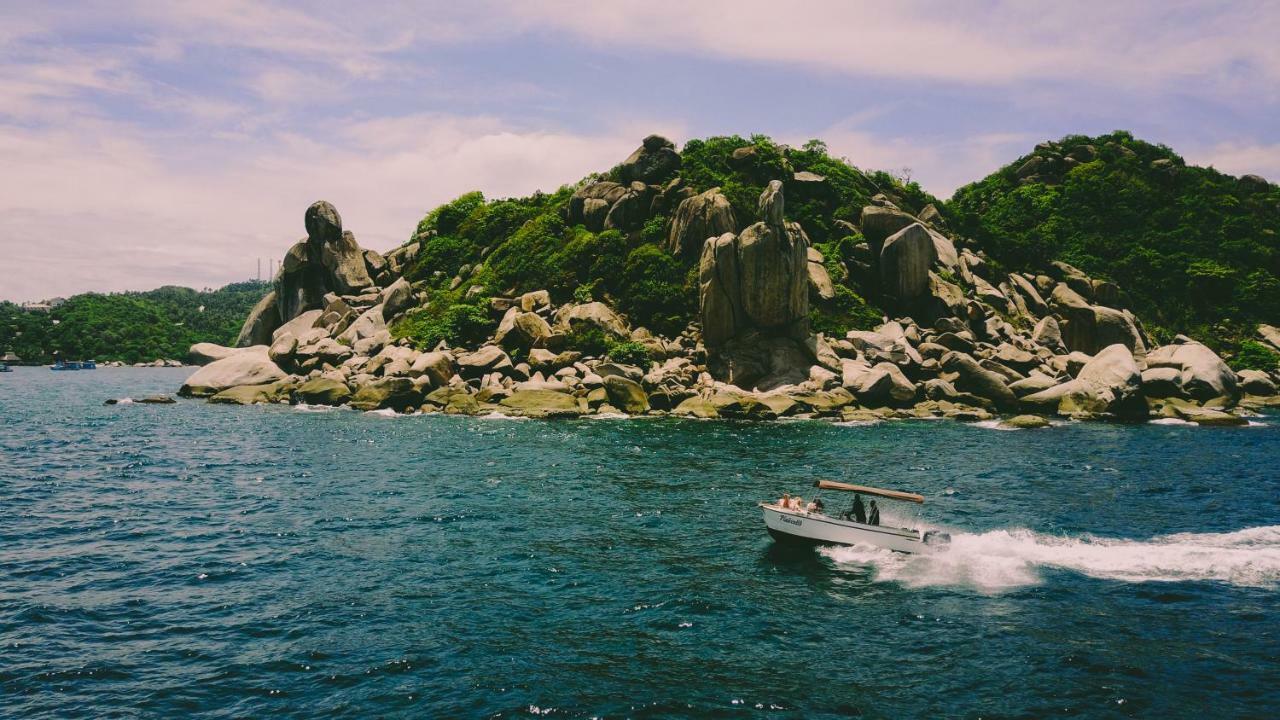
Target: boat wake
[(1001, 560)]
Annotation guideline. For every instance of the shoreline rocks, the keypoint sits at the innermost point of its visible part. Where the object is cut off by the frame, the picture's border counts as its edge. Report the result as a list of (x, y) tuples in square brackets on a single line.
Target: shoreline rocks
[(969, 342)]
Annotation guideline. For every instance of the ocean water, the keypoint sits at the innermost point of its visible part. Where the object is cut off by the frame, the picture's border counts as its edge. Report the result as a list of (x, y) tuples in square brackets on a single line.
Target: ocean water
[(229, 562)]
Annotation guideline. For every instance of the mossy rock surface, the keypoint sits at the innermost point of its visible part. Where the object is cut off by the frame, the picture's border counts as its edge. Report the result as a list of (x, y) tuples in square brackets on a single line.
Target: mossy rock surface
[(1024, 422), (323, 391), (250, 394), (542, 404)]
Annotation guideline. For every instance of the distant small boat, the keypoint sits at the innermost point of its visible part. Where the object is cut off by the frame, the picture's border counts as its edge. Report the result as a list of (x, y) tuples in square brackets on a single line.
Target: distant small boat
[(64, 365), (4, 367), (89, 365), (790, 523)]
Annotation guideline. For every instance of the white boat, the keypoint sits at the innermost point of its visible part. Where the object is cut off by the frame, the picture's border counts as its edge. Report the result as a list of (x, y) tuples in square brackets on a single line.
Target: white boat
[(789, 524)]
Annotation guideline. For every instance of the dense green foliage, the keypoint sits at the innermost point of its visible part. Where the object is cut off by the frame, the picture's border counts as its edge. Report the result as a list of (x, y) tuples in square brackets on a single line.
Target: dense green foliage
[(132, 327), (1253, 355), (516, 245), (1196, 251), (593, 342)]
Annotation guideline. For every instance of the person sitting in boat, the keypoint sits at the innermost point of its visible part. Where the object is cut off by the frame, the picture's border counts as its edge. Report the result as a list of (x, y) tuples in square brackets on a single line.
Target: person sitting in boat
[(875, 514), (857, 513), (814, 506), (785, 500)]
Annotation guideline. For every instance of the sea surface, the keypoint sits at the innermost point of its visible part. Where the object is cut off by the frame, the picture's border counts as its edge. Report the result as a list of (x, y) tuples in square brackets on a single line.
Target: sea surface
[(273, 562)]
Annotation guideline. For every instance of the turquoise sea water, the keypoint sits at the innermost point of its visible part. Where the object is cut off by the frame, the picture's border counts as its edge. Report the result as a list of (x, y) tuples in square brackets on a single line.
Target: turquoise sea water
[(229, 562)]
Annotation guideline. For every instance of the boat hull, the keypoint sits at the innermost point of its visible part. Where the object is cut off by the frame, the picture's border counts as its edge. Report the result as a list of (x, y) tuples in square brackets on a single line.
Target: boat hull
[(794, 526)]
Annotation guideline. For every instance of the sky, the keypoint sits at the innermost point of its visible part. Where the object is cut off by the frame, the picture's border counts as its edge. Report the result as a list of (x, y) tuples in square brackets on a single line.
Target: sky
[(146, 144)]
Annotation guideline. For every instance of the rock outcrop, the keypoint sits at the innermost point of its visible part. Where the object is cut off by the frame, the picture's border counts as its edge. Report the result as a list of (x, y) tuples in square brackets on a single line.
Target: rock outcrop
[(905, 260), (655, 160), (755, 284), (758, 280), (698, 219), (250, 367), (1110, 383), (1201, 374), (965, 339), (327, 261)]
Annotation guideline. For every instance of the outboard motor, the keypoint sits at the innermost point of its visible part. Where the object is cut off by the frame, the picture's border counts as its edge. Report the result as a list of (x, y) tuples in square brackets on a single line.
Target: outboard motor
[(937, 538)]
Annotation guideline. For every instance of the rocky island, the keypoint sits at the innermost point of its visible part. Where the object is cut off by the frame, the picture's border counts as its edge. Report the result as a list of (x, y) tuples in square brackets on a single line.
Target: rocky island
[(736, 279)]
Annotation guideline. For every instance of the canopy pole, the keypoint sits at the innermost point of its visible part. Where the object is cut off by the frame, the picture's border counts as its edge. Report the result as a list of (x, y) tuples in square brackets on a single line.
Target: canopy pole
[(891, 494)]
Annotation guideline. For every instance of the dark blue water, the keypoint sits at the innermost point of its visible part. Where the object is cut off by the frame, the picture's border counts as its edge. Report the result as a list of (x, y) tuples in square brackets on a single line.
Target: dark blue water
[(170, 561)]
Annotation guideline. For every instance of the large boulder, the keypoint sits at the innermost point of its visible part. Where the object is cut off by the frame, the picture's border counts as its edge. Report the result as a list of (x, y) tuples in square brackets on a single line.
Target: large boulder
[(1110, 383), (972, 378), (483, 361), (719, 293), (773, 276), (396, 298), (1030, 295), (328, 260), (1202, 374), (905, 260), (396, 393), (520, 329), (1257, 382), (819, 279), (884, 384), (1049, 334), (626, 394), (699, 219), (1088, 328), (1111, 326), (1162, 382), (322, 391), (878, 223), (368, 325), (631, 210), (250, 394), (1270, 335), (1077, 314), (654, 161), (597, 315), (437, 366), (262, 321), (298, 326), (542, 404), (589, 205), (754, 298), (205, 353), (249, 367)]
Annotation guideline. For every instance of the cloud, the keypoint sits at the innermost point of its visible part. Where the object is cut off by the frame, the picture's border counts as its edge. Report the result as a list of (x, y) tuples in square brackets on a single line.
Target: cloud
[(104, 206), (940, 165), (1116, 42), (156, 143), (1241, 159)]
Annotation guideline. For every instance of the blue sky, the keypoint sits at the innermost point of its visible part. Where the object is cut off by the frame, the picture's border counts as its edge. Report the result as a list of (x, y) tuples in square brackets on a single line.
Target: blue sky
[(148, 144)]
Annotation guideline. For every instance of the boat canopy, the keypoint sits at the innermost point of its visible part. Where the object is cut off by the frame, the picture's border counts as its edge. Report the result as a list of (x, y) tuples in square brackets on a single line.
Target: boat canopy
[(891, 494)]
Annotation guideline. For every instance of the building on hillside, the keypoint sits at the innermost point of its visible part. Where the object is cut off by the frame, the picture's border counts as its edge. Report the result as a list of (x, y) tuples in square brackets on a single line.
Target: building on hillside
[(43, 305)]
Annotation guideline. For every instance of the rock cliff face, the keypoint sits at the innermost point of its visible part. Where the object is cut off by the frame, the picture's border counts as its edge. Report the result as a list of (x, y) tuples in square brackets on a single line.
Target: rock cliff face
[(752, 285)]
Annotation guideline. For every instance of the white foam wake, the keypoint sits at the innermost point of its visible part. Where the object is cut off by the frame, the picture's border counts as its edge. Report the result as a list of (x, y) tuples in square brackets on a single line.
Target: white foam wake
[(1005, 559)]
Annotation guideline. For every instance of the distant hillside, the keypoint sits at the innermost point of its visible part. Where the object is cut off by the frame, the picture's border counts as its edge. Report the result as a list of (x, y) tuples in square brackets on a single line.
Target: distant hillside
[(1195, 251), (132, 327)]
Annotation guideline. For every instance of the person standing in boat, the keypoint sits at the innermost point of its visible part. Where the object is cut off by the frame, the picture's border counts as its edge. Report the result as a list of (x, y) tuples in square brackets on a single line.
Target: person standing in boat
[(875, 514), (857, 513)]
